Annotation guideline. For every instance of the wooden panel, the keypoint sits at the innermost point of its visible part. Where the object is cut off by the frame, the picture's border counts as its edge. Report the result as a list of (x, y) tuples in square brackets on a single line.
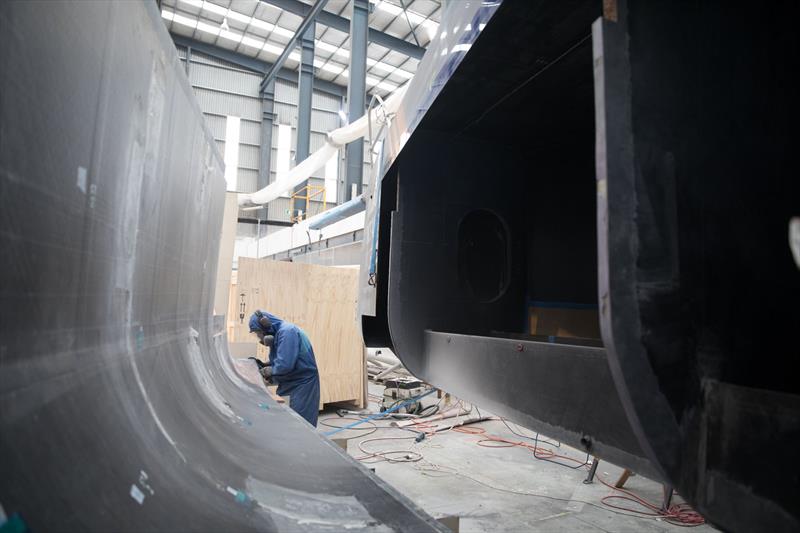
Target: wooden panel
[(322, 301), (221, 294), (233, 309)]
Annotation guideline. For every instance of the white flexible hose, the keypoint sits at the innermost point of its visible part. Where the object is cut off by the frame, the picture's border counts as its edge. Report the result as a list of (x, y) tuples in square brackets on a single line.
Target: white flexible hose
[(335, 140)]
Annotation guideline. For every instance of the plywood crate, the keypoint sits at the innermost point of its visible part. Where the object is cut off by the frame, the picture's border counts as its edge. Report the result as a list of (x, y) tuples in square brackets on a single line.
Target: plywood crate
[(323, 302)]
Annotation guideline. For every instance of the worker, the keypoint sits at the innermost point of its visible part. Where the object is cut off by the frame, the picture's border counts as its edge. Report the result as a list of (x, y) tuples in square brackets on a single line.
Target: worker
[(291, 363)]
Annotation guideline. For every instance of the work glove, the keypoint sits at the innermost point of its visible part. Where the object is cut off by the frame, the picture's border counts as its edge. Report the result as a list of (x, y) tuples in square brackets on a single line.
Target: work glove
[(268, 341), (266, 372)]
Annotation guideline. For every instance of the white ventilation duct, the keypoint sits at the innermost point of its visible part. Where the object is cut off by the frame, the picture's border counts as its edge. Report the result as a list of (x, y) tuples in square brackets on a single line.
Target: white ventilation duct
[(335, 140)]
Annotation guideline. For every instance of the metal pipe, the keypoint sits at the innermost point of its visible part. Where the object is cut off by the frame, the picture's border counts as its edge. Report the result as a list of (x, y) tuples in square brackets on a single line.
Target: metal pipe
[(305, 90), (265, 141), (340, 212), (388, 370), (356, 98), (383, 358), (466, 421), (592, 471), (336, 139)]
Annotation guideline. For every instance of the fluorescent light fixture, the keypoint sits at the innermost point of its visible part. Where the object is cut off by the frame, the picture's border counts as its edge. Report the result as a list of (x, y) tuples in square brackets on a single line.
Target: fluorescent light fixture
[(338, 50), (228, 35), (179, 19), (414, 17), (378, 65), (385, 85), (233, 15), (389, 69), (331, 67), (231, 36), (204, 27), (402, 73), (254, 43)]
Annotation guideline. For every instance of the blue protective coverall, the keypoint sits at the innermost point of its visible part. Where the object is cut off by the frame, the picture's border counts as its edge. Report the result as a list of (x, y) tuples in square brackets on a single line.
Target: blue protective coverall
[(294, 367)]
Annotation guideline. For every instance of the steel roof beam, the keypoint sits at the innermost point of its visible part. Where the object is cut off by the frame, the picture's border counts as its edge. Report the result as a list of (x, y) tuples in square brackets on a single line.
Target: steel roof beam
[(301, 32), (253, 64), (299, 8)]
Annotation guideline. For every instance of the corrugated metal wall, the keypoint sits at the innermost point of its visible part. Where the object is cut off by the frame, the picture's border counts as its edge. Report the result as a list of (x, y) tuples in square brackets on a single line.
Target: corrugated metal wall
[(224, 89)]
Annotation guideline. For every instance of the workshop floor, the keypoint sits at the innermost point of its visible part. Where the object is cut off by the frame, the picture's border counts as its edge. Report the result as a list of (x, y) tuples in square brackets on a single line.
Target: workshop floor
[(481, 485)]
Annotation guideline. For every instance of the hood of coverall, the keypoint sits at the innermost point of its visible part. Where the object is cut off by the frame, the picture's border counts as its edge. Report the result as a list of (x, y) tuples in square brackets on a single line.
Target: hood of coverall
[(255, 326)]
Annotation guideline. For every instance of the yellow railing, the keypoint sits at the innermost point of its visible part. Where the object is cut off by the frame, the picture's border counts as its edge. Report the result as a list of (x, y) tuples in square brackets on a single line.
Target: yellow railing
[(308, 193)]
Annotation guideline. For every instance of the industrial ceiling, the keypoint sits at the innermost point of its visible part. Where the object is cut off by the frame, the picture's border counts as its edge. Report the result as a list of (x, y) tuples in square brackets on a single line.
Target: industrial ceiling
[(262, 29)]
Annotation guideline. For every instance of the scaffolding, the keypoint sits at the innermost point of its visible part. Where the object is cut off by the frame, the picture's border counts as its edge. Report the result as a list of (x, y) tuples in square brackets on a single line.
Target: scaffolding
[(308, 193)]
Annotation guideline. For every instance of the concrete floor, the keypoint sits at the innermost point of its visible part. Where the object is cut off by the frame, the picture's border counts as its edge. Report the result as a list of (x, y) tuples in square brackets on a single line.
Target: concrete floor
[(555, 498)]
